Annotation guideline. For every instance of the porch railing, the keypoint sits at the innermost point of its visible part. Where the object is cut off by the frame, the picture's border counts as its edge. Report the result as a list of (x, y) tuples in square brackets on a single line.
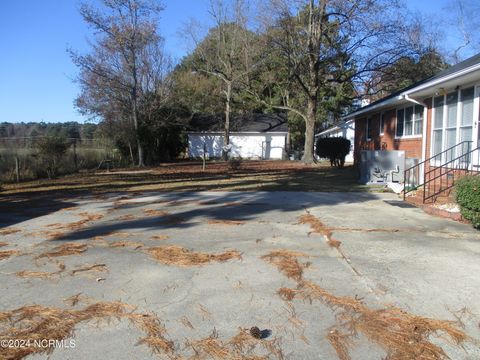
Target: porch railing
[(437, 173)]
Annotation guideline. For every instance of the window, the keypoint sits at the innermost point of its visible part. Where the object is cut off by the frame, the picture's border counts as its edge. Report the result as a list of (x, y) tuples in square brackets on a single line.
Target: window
[(382, 123), (369, 129), (410, 121), (452, 121), (438, 104)]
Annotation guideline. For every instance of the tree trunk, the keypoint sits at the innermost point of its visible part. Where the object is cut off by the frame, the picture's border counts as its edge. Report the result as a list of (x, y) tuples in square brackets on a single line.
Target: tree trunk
[(135, 125), (226, 134), (308, 156), (131, 153)]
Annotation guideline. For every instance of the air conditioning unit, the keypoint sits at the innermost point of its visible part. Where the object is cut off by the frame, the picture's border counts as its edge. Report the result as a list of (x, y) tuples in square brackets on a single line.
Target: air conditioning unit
[(380, 167)]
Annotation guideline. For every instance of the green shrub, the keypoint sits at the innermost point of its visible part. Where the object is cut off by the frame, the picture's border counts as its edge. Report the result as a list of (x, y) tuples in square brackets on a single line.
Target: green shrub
[(467, 193), (334, 148)]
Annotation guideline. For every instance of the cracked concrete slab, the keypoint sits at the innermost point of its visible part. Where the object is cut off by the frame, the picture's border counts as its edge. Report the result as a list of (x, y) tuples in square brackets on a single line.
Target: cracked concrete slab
[(389, 255)]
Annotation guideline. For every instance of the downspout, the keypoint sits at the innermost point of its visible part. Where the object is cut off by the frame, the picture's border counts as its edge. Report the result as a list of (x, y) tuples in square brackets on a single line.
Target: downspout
[(424, 130)]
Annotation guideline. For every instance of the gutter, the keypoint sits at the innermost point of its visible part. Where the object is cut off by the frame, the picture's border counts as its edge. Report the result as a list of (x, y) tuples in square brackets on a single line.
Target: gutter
[(404, 95), (445, 78)]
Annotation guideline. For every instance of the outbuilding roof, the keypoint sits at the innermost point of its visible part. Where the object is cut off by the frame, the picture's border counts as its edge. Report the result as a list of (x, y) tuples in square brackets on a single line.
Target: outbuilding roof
[(260, 123)]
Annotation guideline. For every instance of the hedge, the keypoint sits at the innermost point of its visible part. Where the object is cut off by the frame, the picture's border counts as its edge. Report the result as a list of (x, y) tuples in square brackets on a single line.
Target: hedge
[(467, 193)]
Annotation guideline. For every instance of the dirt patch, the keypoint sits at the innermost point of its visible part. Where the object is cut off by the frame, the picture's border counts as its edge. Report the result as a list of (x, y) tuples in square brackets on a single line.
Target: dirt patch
[(400, 334), (5, 254), (40, 322), (65, 250), (226, 222), (180, 256), (9, 231), (125, 243)]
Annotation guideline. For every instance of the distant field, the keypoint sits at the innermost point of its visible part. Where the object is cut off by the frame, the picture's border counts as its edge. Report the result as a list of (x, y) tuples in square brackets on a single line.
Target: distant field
[(188, 176)]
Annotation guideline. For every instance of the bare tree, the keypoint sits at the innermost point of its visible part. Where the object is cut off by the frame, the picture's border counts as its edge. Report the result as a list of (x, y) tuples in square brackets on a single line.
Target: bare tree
[(118, 71), (227, 52), (326, 44), (465, 23)]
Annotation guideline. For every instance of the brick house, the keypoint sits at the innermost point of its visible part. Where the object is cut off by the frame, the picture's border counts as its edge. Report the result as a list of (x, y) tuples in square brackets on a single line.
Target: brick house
[(426, 119)]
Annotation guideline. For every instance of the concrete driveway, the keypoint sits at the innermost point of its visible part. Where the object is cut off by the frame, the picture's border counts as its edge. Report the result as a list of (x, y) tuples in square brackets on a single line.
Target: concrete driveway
[(186, 275)]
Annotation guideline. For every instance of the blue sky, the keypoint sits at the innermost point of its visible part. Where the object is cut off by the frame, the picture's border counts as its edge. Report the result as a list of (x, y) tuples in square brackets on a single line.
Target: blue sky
[(35, 70)]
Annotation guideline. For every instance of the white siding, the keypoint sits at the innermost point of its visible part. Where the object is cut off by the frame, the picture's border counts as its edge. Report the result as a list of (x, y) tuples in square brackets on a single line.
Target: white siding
[(248, 146)]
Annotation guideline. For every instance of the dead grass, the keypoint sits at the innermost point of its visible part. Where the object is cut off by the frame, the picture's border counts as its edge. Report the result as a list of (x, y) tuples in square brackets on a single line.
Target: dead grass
[(226, 222), (400, 334), (183, 176), (316, 226), (34, 274), (86, 268), (37, 322), (159, 237), (9, 231), (75, 299), (65, 250), (180, 256), (5, 254), (153, 212), (117, 234), (286, 261), (125, 243), (242, 346), (155, 333), (126, 217), (59, 230), (42, 274), (287, 293), (2, 244), (341, 343)]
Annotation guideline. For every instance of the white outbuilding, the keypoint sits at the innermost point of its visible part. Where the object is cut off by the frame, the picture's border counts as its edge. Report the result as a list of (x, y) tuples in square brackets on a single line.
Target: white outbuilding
[(253, 136)]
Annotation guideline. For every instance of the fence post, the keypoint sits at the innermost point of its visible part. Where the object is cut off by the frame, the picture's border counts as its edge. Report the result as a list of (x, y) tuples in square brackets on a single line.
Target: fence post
[(17, 168), (75, 159)]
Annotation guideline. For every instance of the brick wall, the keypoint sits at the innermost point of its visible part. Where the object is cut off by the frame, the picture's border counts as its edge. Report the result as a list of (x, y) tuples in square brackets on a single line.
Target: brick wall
[(387, 141)]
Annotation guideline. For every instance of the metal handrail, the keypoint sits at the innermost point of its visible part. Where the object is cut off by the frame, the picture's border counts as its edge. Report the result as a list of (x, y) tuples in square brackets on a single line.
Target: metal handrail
[(407, 174), (453, 169)]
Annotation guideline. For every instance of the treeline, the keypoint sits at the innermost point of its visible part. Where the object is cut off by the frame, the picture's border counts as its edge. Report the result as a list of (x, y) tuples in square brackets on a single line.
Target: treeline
[(311, 60), (23, 132)]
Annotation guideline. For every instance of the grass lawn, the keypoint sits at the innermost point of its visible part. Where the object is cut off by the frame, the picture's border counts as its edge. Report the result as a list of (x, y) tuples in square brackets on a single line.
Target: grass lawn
[(188, 176)]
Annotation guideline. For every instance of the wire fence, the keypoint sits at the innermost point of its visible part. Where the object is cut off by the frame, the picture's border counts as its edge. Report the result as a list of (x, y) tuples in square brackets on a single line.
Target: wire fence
[(21, 160)]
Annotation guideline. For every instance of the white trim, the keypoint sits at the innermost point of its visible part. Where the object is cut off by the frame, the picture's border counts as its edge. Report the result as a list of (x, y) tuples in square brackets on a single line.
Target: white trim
[(367, 128), (408, 137), (382, 120), (476, 117), (418, 88), (413, 136), (444, 79)]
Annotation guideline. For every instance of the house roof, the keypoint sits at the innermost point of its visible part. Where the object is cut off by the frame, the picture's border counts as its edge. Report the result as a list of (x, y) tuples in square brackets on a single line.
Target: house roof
[(256, 123), (463, 68), (339, 126)]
